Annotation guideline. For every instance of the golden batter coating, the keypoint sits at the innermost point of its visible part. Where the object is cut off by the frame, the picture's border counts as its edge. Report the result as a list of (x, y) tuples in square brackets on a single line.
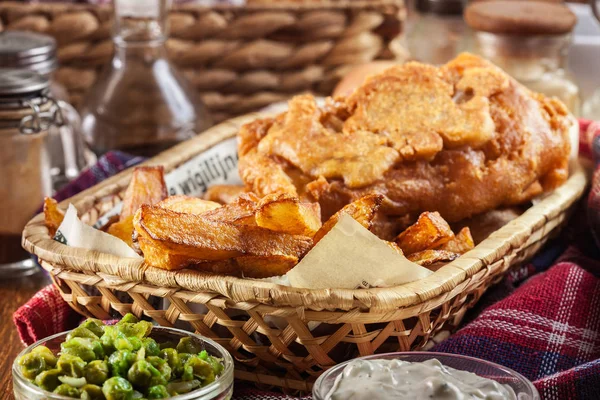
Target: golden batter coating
[(460, 139)]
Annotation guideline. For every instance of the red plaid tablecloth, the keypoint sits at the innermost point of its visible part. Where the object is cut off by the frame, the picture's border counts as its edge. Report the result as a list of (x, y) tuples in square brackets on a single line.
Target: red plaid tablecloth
[(542, 320)]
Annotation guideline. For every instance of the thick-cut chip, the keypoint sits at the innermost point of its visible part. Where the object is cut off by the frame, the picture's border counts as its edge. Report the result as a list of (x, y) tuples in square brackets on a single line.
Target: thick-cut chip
[(461, 243), (250, 266), (284, 213), (172, 240), (187, 204), (53, 216), (123, 229), (147, 186), (430, 231), (429, 257), (265, 266), (241, 212), (362, 210), (224, 194), (223, 267)]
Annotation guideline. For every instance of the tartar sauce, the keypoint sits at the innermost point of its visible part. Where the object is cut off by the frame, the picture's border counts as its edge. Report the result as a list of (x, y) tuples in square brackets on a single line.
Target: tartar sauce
[(396, 379)]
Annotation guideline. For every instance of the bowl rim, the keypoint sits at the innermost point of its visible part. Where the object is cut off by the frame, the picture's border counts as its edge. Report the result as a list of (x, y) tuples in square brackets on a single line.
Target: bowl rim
[(430, 355), (221, 380)]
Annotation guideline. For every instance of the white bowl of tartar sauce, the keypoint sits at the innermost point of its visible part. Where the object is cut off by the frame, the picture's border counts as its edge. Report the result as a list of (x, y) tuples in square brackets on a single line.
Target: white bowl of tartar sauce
[(422, 376)]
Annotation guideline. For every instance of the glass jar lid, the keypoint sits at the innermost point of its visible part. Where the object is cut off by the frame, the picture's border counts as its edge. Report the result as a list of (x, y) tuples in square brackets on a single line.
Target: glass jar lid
[(523, 17), (28, 50), (20, 83)]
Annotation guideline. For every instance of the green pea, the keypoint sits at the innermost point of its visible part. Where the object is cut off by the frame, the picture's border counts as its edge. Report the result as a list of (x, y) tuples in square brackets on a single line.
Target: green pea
[(158, 392), (216, 364), (171, 357), (91, 392), (84, 348), (120, 361), (71, 365), (140, 329), (127, 343), (152, 348), (117, 388), (183, 358), (47, 354), (162, 366), (82, 332), (48, 380), (141, 373), (94, 325), (32, 365), (96, 372), (196, 367), (128, 318), (67, 390), (189, 345)]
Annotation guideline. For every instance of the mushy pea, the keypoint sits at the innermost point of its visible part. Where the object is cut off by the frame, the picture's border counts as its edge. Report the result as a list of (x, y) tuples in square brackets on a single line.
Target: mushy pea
[(120, 362)]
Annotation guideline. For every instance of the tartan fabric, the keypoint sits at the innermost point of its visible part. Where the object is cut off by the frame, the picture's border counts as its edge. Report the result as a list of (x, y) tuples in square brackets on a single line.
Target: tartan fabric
[(542, 320), (549, 325)]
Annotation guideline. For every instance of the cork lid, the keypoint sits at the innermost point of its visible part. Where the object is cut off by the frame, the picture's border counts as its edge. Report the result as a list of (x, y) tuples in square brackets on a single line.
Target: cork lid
[(520, 17)]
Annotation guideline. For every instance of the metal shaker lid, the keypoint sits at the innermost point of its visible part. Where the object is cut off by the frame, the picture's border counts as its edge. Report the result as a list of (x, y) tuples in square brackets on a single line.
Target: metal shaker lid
[(28, 50), (21, 83)]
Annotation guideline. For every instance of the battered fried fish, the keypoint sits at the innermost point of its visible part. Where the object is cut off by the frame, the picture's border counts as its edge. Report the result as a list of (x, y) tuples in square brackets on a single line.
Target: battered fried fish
[(460, 139)]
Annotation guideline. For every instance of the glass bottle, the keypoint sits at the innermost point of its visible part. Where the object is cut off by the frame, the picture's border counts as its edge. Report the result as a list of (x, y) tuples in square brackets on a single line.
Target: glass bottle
[(141, 104), (435, 30), (538, 62)]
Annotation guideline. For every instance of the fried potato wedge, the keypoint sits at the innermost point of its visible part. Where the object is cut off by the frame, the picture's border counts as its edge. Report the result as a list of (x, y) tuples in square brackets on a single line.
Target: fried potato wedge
[(284, 213), (187, 204), (172, 240), (426, 258), (461, 243), (430, 231), (363, 210), (123, 229), (53, 216), (241, 212), (265, 266), (147, 186), (222, 267), (224, 194), (250, 266)]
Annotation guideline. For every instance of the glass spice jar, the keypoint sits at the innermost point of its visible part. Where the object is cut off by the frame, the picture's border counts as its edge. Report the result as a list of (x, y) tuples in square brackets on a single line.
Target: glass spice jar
[(141, 104), (37, 52), (29, 119), (530, 41)]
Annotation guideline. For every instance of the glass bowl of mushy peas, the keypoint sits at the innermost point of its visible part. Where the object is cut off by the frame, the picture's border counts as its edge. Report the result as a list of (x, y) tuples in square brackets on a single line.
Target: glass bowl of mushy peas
[(128, 360), (422, 376)]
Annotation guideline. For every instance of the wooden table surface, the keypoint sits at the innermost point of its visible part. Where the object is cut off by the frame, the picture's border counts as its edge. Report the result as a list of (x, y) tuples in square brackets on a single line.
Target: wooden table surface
[(13, 294)]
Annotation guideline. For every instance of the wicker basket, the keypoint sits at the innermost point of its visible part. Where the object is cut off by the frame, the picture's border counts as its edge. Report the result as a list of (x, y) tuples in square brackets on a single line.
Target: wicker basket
[(283, 336), (240, 59)]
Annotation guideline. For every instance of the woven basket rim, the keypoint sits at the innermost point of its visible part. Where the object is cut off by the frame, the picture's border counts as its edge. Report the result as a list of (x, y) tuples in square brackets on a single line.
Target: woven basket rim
[(36, 240)]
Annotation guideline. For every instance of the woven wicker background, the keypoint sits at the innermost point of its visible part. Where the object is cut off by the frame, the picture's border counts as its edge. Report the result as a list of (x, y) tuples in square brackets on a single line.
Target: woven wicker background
[(239, 59)]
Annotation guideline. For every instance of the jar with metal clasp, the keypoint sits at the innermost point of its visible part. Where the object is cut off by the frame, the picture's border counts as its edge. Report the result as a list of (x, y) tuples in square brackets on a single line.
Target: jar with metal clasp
[(37, 52), (29, 118)]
